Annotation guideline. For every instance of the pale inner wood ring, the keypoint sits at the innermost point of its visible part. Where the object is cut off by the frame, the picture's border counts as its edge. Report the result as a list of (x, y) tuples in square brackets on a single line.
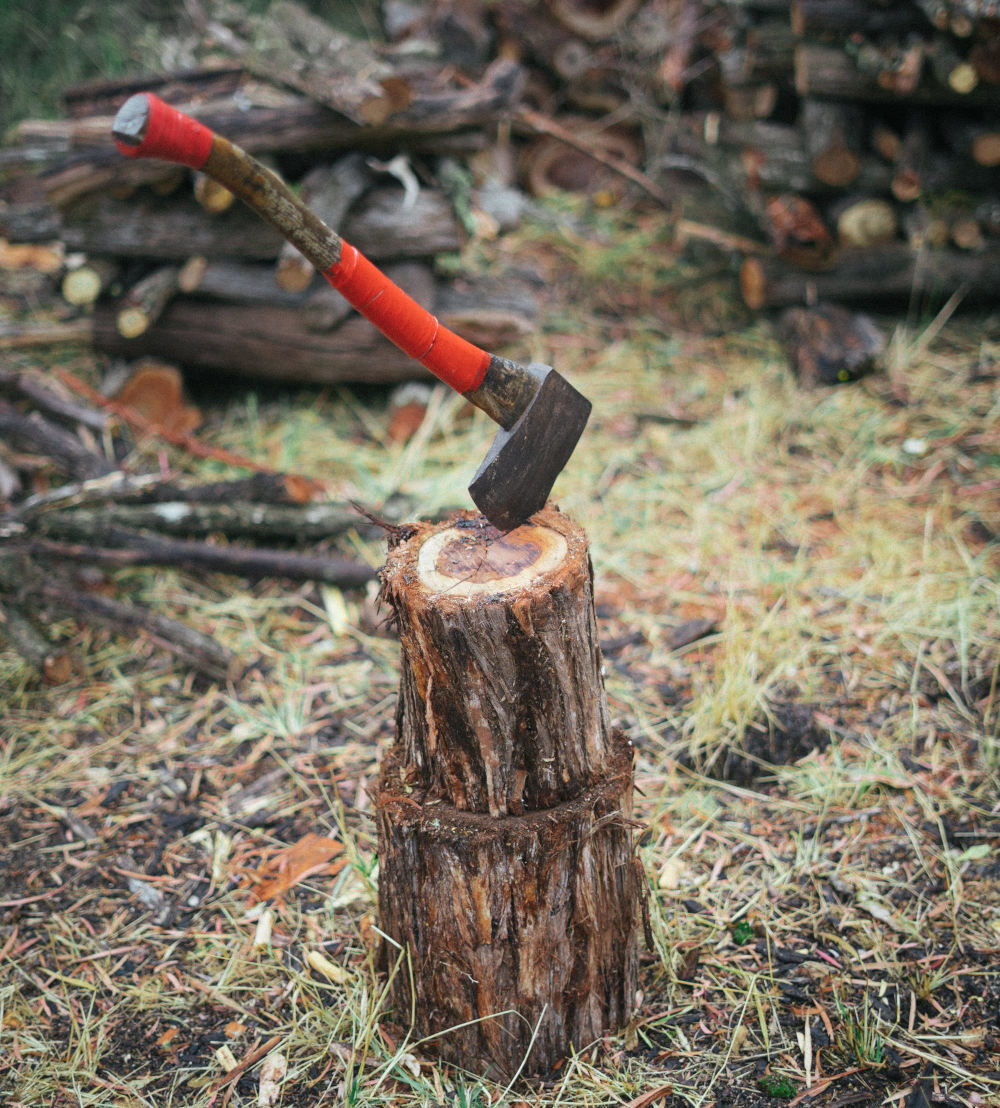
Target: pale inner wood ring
[(475, 563)]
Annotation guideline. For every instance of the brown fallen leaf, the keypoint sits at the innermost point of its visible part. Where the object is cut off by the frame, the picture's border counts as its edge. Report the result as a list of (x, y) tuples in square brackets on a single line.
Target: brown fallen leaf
[(312, 855), (645, 1099), (156, 391)]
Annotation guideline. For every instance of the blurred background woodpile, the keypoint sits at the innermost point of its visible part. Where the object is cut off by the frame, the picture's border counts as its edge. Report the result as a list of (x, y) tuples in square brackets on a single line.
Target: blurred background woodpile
[(828, 149)]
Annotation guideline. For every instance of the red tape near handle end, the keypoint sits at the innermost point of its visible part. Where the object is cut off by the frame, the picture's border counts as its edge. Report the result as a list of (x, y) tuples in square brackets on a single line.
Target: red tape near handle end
[(170, 135), (401, 319)]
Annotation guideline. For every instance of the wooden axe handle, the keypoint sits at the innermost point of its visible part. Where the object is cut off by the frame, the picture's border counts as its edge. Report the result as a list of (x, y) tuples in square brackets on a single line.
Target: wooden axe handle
[(147, 127)]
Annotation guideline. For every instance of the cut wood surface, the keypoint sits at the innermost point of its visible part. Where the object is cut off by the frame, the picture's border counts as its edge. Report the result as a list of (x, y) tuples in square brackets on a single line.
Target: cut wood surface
[(506, 854), (83, 284), (146, 300)]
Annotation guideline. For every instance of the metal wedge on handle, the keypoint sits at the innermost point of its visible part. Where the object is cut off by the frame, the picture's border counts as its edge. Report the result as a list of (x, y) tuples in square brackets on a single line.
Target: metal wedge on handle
[(541, 415)]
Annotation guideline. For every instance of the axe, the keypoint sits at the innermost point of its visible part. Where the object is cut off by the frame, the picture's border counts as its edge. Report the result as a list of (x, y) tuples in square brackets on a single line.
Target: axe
[(541, 415)]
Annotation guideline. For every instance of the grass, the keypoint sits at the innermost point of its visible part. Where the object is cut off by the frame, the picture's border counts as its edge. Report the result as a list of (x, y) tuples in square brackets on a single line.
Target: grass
[(817, 773)]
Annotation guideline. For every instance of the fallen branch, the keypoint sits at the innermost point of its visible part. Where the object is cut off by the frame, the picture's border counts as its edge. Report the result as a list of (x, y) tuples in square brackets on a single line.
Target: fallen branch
[(134, 548), (541, 124)]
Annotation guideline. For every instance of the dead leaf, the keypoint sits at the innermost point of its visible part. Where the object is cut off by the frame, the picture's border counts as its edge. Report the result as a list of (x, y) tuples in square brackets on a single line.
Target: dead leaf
[(272, 1073), (651, 1097), (309, 857)]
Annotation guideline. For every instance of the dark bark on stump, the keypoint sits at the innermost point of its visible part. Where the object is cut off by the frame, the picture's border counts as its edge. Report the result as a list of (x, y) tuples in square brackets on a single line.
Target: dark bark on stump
[(507, 865), (530, 727)]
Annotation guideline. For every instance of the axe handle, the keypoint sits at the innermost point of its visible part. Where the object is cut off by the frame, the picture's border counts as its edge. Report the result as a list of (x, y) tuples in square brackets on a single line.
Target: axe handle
[(148, 127)]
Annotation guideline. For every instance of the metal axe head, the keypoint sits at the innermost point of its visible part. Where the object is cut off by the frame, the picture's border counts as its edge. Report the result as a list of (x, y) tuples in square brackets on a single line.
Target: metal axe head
[(523, 463)]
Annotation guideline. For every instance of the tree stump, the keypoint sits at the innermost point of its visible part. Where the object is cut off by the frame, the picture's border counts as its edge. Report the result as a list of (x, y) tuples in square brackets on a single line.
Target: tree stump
[(506, 852)]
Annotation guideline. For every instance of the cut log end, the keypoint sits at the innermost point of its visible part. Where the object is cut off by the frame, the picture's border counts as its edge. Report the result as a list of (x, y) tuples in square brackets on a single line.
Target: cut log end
[(480, 561)]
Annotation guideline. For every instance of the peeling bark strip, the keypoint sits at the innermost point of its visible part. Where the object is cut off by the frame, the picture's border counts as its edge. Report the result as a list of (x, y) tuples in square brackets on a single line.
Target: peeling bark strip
[(506, 855)]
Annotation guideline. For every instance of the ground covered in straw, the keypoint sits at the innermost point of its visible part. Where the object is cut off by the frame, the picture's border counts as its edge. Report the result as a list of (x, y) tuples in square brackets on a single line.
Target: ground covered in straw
[(798, 600)]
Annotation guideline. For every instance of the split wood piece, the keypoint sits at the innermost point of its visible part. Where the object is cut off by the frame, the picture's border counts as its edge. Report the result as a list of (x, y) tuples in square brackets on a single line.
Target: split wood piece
[(104, 96), (257, 340), (148, 227), (295, 48), (502, 705), (287, 339), (234, 281), (490, 313), (877, 274), (145, 301), (520, 932), (828, 344), (438, 125), (750, 155), (329, 191), (83, 284), (322, 308)]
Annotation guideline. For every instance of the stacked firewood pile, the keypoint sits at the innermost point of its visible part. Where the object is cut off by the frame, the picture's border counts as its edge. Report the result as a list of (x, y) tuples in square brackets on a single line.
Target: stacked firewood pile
[(860, 141), (851, 150)]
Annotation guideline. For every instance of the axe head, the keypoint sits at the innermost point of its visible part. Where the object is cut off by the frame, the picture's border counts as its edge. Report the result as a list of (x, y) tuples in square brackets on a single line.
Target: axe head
[(523, 463)]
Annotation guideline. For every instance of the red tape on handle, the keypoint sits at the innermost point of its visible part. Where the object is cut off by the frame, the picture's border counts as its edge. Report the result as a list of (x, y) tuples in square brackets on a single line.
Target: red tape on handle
[(170, 135), (402, 320)]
